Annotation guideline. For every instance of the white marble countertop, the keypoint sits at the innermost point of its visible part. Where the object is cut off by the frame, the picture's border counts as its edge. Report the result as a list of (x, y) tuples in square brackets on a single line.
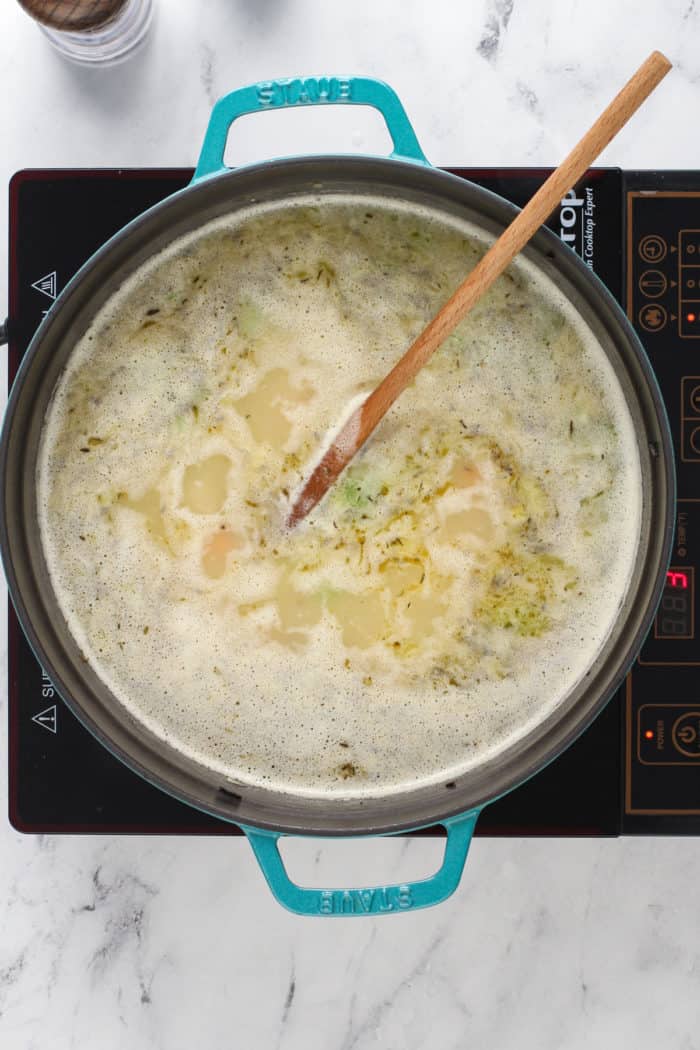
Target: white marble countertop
[(112, 942)]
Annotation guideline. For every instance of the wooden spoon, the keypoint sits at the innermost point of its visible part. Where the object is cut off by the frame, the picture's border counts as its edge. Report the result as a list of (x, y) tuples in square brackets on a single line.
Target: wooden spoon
[(364, 419)]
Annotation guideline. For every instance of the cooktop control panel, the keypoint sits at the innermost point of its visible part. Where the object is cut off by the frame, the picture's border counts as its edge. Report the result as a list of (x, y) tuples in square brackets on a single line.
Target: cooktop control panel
[(662, 300)]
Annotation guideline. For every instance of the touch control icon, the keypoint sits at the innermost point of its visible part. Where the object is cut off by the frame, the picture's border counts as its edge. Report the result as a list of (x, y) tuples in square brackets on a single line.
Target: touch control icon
[(685, 734), (652, 317), (652, 284), (690, 419), (652, 248)]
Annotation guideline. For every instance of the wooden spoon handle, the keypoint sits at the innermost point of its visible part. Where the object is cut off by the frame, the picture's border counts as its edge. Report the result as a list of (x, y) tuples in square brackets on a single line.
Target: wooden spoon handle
[(538, 209)]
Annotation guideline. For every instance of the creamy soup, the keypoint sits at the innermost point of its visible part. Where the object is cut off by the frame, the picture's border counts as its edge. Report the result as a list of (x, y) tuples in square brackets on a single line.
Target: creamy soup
[(453, 586)]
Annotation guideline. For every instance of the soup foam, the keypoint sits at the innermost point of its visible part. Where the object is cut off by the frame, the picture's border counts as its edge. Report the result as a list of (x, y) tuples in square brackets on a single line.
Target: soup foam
[(449, 592)]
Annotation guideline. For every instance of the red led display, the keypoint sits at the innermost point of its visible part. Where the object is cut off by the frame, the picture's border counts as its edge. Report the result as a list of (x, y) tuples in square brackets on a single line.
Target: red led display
[(675, 615), (674, 621)]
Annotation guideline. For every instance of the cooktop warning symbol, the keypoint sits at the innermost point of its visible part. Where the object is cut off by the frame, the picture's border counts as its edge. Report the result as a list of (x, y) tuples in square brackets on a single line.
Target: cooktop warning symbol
[(46, 719), (47, 285)]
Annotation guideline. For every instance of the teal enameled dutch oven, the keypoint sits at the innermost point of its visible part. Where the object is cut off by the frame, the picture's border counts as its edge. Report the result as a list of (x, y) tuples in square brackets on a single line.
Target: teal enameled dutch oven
[(264, 814)]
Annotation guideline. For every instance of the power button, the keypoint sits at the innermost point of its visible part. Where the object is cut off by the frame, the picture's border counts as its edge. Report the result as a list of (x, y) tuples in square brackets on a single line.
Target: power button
[(668, 734), (685, 734)]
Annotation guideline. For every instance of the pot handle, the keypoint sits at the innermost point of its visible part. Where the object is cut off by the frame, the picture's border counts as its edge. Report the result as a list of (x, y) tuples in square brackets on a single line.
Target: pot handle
[(307, 91), (371, 900)]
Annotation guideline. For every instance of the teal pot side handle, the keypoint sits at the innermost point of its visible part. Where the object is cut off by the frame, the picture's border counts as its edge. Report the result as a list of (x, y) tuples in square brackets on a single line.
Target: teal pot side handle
[(369, 900), (306, 91)]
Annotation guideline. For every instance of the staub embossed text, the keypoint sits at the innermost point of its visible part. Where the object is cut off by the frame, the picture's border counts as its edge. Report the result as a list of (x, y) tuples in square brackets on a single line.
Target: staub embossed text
[(311, 89), (385, 898)]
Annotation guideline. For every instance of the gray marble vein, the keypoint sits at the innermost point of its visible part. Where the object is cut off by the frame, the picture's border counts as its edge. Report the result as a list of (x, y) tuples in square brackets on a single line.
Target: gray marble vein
[(528, 97), (10, 974), (498, 16), (207, 71), (371, 1021), (288, 1002)]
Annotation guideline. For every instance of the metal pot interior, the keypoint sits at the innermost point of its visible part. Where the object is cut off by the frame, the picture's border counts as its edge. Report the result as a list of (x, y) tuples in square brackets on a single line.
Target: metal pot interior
[(30, 587)]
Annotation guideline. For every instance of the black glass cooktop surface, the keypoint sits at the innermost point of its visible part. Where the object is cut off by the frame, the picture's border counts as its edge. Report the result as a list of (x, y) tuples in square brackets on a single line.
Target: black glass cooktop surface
[(637, 768)]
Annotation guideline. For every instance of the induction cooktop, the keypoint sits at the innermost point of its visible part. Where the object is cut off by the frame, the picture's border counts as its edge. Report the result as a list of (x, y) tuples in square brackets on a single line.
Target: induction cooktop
[(637, 768)]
